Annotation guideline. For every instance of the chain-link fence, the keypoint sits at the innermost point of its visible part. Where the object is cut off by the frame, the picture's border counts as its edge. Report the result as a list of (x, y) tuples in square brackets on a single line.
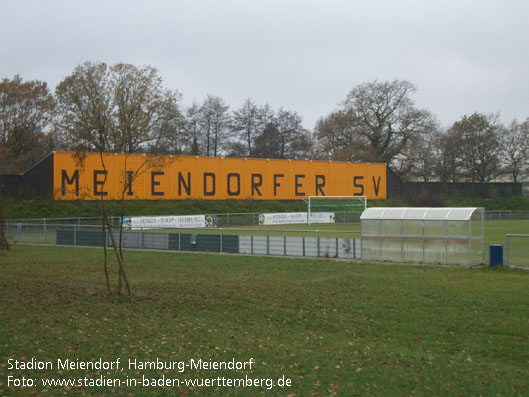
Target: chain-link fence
[(252, 240), (517, 250), (506, 215), (245, 219)]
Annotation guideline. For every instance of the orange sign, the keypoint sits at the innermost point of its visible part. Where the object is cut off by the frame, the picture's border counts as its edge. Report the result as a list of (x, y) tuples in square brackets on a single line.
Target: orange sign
[(90, 176)]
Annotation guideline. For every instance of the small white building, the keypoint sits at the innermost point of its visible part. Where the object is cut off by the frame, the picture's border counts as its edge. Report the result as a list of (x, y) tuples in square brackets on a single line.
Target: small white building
[(424, 235)]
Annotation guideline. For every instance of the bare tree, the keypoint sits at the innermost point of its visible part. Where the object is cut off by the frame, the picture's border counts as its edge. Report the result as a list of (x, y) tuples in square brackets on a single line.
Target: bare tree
[(26, 113), (170, 132), (117, 109), (266, 116), (214, 125), (127, 177), (515, 149), (261, 132), (375, 122), (480, 146), (192, 128), (126, 102), (334, 140), (237, 149), (294, 140), (247, 124), (86, 110), (416, 160), (268, 143), (301, 147), (447, 158)]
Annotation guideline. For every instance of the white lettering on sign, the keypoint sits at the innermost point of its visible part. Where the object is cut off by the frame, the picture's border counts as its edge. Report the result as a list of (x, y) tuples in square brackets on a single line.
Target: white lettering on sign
[(286, 218), (164, 222)]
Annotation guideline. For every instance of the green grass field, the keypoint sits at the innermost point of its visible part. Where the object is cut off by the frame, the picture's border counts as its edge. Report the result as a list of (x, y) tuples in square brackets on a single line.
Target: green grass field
[(332, 327)]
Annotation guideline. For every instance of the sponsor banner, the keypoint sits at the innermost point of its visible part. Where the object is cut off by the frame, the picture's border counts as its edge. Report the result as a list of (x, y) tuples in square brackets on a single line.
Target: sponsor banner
[(166, 222), (288, 218)]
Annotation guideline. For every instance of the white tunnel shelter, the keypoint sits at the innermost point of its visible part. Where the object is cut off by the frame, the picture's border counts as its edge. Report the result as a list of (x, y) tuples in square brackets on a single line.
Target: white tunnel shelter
[(425, 235)]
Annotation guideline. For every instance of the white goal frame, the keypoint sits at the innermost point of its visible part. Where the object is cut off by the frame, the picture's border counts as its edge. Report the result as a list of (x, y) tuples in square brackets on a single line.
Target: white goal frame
[(310, 198)]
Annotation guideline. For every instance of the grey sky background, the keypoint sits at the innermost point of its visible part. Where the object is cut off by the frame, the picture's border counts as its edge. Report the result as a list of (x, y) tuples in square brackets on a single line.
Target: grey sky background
[(462, 55)]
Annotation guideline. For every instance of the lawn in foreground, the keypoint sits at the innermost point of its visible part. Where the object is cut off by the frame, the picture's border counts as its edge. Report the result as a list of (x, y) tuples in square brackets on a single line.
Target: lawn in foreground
[(332, 327)]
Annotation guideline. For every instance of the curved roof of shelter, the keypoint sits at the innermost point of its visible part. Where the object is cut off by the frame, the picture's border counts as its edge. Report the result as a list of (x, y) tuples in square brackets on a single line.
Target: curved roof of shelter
[(411, 213)]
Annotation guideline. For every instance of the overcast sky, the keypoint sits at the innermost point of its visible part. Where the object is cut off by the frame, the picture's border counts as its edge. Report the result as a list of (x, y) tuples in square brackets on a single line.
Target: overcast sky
[(463, 56)]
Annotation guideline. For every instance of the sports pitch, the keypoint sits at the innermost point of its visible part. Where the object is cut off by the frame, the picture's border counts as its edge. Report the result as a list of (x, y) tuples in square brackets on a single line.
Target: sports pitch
[(331, 327)]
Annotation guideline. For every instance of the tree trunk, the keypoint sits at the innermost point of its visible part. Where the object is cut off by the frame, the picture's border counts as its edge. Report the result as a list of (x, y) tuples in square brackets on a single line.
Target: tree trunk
[(104, 241)]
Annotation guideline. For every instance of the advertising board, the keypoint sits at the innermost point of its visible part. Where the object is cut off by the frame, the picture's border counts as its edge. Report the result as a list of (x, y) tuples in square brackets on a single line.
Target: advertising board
[(164, 222), (91, 176), (289, 218)]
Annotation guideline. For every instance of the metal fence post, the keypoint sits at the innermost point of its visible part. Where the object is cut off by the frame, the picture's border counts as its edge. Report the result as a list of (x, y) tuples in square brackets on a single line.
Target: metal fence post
[(423, 241), (402, 240), (482, 220), (380, 233), (469, 242), (141, 236), (318, 241), (220, 240), (180, 239), (446, 240), (74, 235), (506, 254), (267, 242), (45, 231), (19, 226), (361, 244)]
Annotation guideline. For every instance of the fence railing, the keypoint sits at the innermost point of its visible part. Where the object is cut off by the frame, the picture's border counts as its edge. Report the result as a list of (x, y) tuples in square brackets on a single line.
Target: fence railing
[(312, 243), (506, 215), (222, 220), (256, 241), (516, 250), (248, 218)]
